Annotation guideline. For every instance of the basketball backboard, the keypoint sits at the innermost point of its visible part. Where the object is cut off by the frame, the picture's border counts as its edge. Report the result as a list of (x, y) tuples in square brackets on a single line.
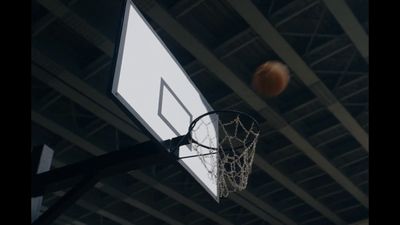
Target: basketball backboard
[(154, 88)]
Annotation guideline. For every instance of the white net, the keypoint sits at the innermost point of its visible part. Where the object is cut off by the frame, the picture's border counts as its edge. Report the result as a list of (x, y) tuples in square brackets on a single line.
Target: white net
[(233, 137)]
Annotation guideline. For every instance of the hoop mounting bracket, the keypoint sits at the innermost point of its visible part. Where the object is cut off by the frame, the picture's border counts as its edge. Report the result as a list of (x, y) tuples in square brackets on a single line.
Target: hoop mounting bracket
[(174, 143)]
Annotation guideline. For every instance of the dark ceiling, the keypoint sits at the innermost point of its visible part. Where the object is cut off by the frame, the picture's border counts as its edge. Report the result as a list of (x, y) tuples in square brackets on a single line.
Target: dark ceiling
[(311, 165)]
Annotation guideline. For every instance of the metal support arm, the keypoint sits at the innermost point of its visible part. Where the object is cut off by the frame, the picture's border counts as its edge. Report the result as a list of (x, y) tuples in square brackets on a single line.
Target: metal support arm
[(138, 156)]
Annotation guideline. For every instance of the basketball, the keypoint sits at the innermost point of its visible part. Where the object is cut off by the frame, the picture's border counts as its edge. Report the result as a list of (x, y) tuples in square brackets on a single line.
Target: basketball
[(270, 79)]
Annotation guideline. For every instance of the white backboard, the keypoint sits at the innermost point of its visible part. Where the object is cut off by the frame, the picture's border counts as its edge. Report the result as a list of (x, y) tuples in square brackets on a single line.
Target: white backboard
[(151, 84)]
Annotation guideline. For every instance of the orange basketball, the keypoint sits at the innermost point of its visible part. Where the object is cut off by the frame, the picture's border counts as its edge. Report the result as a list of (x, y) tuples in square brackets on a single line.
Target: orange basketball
[(270, 79)]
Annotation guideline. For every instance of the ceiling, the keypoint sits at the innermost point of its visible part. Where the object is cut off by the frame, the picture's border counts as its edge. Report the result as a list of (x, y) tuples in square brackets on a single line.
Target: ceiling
[(311, 164)]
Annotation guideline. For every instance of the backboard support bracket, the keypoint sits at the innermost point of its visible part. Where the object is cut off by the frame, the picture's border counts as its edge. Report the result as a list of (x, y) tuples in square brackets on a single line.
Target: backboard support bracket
[(174, 144)]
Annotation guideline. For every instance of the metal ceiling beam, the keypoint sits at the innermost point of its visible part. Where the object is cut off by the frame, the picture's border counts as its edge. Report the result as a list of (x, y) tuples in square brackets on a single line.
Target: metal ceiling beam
[(55, 76), (42, 24), (138, 204), (304, 105), (51, 66), (79, 25), (293, 7), (341, 41), (103, 212), (95, 150), (95, 209), (343, 14), (264, 213), (188, 6), (362, 222), (339, 72), (237, 48), (297, 190), (297, 12), (66, 218), (271, 36), (255, 210), (296, 7), (285, 181), (92, 70), (46, 21), (327, 56), (296, 34), (178, 197), (262, 205)]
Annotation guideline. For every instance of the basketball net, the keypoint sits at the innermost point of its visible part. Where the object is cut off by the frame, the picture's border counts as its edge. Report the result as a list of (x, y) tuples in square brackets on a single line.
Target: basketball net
[(234, 144)]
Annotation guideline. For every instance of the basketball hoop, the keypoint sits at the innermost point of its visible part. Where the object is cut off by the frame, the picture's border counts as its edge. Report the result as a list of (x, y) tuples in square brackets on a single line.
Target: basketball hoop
[(232, 135)]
